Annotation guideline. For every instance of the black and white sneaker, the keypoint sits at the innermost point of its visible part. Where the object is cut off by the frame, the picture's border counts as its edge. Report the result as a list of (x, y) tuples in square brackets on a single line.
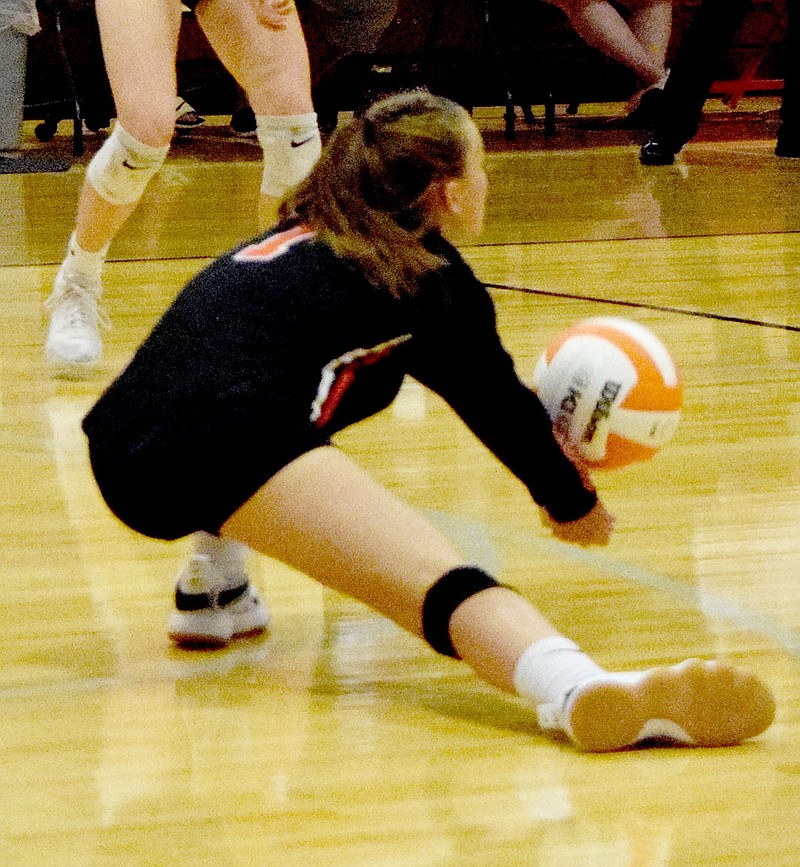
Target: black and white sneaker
[(213, 618)]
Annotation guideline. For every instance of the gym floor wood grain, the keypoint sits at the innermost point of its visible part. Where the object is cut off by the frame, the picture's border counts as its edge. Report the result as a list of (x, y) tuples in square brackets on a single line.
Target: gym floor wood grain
[(337, 739)]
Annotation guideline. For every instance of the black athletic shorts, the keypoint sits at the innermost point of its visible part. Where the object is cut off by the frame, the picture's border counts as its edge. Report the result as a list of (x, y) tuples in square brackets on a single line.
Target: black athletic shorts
[(171, 493), (353, 25)]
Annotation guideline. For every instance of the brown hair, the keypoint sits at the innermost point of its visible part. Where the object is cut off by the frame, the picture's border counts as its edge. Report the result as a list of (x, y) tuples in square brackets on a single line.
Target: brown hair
[(367, 195)]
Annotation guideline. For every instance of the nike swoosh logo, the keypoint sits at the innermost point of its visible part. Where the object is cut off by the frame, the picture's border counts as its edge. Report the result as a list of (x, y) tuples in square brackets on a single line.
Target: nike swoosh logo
[(134, 168), (297, 144)]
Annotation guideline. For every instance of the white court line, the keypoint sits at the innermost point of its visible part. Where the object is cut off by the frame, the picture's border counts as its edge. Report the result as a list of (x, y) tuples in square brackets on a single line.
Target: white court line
[(476, 540), (473, 536)]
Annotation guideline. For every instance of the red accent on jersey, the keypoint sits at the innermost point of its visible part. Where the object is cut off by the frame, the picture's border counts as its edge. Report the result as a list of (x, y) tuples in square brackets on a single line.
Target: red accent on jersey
[(343, 381), (274, 245), (338, 376)]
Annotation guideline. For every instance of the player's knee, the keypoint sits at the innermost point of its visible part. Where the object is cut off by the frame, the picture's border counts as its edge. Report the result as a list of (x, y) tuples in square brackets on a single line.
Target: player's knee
[(122, 168), (442, 599), (150, 120), (291, 145)]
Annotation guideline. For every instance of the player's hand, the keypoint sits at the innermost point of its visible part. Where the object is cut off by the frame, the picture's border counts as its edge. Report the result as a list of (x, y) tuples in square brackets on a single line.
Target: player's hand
[(273, 13), (594, 528)]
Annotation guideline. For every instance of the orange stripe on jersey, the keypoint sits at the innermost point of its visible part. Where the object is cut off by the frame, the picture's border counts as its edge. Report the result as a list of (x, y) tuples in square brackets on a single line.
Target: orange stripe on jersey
[(274, 245)]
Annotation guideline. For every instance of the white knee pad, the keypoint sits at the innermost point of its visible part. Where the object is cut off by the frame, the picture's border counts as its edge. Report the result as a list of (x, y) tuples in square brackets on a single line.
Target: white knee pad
[(123, 167), (291, 145)]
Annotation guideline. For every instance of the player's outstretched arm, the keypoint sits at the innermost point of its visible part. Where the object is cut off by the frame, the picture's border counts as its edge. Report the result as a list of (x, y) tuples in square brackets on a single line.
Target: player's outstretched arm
[(596, 526)]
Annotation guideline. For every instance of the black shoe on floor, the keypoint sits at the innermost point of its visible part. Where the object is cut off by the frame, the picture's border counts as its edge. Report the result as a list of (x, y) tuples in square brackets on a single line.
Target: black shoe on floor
[(243, 121), (658, 151), (788, 144)]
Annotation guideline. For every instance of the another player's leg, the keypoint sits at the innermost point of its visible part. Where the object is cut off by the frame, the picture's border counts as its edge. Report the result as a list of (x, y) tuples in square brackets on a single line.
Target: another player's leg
[(139, 43), (326, 517), (650, 22), (695, 66), (214, 600), (600, 25), (272, 67)]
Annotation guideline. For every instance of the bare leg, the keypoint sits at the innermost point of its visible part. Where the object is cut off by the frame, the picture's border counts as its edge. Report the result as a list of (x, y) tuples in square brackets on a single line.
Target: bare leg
[(651, 23), (329, 519), (139, 39), (139, 46), (356, 537), (602, 27), (270, 65)]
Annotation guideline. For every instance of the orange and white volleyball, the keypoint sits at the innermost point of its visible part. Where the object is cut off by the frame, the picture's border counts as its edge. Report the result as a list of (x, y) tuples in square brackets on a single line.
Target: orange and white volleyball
[(612, 389)]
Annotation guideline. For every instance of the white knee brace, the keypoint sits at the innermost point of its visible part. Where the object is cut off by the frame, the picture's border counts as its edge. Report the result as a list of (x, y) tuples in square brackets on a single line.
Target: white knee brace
[(291, 146), (123, 167)]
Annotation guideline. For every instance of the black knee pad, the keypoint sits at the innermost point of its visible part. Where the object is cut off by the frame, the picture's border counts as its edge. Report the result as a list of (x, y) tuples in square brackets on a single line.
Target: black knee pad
[(442, 599)]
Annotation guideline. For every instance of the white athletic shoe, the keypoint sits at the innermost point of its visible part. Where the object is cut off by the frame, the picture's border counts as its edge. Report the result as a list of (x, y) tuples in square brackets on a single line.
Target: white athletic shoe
[(73, 344), (212, 618), (695, 703)]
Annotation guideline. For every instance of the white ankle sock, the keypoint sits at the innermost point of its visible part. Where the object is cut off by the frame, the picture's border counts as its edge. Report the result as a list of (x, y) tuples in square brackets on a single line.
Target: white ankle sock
[(85, 262), (550, 668), (226, 555)]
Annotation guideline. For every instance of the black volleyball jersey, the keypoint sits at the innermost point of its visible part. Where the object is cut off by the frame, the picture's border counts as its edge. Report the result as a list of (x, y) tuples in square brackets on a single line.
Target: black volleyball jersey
[(281, 337)]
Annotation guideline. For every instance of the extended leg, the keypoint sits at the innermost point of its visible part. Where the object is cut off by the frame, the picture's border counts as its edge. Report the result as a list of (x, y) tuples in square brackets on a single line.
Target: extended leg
[(326, 517)]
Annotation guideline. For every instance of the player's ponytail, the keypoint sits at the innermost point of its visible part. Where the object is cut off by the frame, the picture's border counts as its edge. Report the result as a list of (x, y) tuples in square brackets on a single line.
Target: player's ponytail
[(369, 194)]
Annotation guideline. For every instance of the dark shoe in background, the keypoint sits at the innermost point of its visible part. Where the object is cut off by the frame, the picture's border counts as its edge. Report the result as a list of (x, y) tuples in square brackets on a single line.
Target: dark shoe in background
[(186, 118), (788, 144), (243, 121), (645, 113), (659, 150)]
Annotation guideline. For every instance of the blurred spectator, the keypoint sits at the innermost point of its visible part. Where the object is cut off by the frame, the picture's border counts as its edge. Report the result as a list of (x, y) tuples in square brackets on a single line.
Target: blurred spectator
[(638, 39), (18, 20), (695, 68)]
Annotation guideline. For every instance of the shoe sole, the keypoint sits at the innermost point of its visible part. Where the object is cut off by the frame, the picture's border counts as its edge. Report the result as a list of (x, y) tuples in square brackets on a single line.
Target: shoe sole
[(714, 703), (187, 639)]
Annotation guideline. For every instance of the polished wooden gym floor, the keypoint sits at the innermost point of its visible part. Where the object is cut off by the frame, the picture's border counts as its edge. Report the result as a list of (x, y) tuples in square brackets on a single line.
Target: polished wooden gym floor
[(337, 739)]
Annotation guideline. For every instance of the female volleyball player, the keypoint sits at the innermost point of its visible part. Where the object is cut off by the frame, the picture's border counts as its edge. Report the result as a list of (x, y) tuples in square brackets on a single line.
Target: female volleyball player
[(221, 425), (261, 43)]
